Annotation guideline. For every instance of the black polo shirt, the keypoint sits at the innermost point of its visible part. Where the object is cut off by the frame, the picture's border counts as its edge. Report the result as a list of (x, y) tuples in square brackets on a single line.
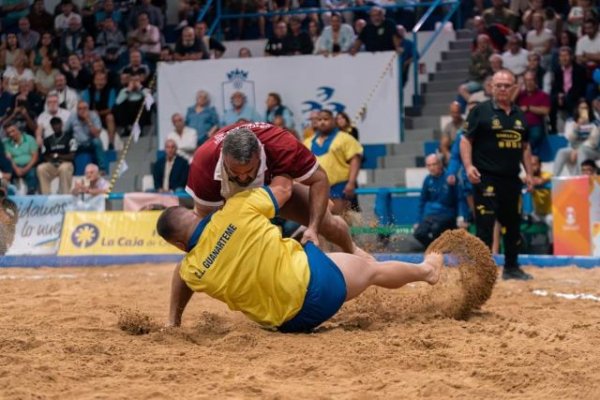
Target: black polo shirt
[(379, 38), (497, 138)]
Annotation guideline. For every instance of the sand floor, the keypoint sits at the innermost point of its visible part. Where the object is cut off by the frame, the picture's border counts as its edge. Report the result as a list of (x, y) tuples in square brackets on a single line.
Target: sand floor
[(59, 339)]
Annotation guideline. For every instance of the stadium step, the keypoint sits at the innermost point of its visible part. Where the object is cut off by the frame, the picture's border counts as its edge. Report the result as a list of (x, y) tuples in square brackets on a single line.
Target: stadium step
[(443, 86), (406, 147), (439, 97), (464, 34), (453, 65), (389, 177), (461, 44), (461, 54), (400, 161), (441, 76), (423, 122)]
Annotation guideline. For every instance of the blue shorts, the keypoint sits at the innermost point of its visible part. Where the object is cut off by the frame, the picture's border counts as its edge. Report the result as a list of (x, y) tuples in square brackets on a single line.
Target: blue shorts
[(337, 191), (325, 294)]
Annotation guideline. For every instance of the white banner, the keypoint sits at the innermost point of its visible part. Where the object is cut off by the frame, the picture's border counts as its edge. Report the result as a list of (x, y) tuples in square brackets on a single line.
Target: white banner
[(40, 221), (305, 83)]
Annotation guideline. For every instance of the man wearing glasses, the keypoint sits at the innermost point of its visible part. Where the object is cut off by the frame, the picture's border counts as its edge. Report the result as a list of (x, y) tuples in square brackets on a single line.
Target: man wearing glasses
[(495, 142)]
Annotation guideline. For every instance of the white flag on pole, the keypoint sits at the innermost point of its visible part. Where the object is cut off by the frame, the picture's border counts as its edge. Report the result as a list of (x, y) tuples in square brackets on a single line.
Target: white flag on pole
[(136, 131)]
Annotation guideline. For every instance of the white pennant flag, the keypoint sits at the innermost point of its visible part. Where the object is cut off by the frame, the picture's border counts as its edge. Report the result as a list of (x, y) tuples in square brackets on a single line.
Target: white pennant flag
[(148, 100), (122, 168), (136, 131)]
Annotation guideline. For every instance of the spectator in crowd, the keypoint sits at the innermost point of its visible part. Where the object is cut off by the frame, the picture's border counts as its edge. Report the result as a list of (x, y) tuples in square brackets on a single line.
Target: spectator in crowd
[(27, 106), (407, 51), (314, 31), (18, 73), (170, 172), (22, 150), (101, 98), (107, 12), (240, 110), (71, 39), (335, 38), (540, 39), (496, 33), (27, 38), (12, 12), (583, 135), (129, 101), (185, 138), (44, 48), (136, 67), (533, 7), (45, 76), (499, 14), (439, 205), (53, 110), (92, 184), (146, 37), (215, 47), (189, 47), (67, 96), (10, 50), (89, 53), (280, 43), (541, 197), (39, 19), (535, 104), (568, 86), (340, 156), (313, 125), (61, 21), (78, 77), (275, 109), (58, 155), (450, 130), (110, 42), (344, 123), (244, 52), (153, 14), (515, 58), (564, 39), (85, 127), (589, 167), (99, 66), (202, 117), (543, 79), (588, 46), (7, 100), (379, 34), (167, 54), (479, 69), (299, 40)]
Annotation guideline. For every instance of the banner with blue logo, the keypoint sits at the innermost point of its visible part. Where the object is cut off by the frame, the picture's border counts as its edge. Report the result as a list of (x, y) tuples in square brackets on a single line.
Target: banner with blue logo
[(304, 83)]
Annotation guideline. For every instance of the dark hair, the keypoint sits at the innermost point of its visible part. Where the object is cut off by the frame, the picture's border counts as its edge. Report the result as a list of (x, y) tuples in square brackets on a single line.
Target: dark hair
[(241, 144), (591, 20), (168, 225), (8, 125), (345, 116), (589, 163), (576, 110), (327, 112), (276, 96), (55, 121)]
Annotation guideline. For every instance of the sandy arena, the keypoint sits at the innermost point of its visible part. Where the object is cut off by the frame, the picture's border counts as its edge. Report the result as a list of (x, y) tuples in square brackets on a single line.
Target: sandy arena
[(62, 337)]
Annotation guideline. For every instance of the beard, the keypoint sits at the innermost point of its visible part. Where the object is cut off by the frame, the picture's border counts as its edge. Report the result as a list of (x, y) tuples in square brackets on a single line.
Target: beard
[(240, 183)]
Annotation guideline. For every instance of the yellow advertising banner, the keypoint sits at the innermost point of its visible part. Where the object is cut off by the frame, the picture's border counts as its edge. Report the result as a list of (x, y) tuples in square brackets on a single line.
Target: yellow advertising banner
[(112, 233)]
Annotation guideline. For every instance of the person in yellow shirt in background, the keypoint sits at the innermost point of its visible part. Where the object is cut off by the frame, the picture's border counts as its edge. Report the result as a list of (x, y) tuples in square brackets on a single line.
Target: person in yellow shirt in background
[(541, 197), (237, 256), (340, 155), (309, 131)]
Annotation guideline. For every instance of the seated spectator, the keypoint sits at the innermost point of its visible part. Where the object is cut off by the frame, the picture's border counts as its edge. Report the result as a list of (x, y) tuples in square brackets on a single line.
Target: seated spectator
[(588, 45), (314, 30), (44, 48), (110, 42), (583, 135), (27, 106), (438, 205), (564, 39), (299, 40), (78, 77), (589, 167), (167, 54), (202, 117), (61, 21), (275, 108), (45, 76), (7, 100), (312, 127), (129, 101), (39, 19), (58, 155), (188, 47), (244, 53), (533, 7), (88, 53), (136, 66), (450, 130), (19, 72), (154, 15), (536, 106), (568, 86), (344, 124), (541, 196), (499, 14), (92, 184), (543, 79), (496, 32), (379, 34), (335, 38), (112, 78), (53, 110), (185, 138), (67, 96), (28, 39), (101, 99), (540, 39), (146, 38), (22, 150), (215, 48), (10, 50), (240, 110), (479, 68), (171, 171), (85, 127), (71, 39), (107, 12), (515, 58), (280, 43)]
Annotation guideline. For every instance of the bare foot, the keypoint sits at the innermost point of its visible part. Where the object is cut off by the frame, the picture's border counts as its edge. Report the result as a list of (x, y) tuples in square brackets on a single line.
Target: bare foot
[(435, 262), (363, 254)]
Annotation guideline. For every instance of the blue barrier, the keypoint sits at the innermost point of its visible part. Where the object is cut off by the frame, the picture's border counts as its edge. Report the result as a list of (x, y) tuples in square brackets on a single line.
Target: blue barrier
[(371, 153), (431, 147)]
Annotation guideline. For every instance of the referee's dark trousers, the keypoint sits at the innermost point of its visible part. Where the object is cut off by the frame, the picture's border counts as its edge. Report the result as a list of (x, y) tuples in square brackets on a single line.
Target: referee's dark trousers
[(497, 198)]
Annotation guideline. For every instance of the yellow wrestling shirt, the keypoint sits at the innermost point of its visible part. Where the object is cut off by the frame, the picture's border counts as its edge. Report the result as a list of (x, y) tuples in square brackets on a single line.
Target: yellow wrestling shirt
[(241, 259)]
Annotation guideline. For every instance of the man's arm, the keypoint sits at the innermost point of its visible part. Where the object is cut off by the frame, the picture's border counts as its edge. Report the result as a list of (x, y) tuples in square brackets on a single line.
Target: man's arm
[(180, 296), (281, 188), (318, 198), (527, 165), (354, 169), (466, 150)]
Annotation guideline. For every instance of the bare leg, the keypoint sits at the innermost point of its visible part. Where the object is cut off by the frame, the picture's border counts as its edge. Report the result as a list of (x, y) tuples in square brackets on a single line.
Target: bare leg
[(496, 238), (359, 273)]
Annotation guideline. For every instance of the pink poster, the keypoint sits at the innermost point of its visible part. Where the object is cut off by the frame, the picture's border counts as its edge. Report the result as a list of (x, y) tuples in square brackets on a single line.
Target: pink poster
[(148, 201)]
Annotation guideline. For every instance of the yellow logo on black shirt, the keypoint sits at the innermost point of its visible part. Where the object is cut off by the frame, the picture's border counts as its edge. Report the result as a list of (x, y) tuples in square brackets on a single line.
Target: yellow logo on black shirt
[(496, 124), (489, 191), (518, 124)]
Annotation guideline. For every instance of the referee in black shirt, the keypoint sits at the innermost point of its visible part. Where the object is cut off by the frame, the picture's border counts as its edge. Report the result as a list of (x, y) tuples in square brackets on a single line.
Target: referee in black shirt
[(495, 142)]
